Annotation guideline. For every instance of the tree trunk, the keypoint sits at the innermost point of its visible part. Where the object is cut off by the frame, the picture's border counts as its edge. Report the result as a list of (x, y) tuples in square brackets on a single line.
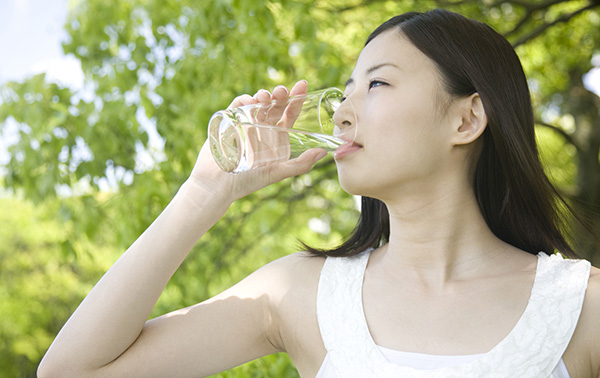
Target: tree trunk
[(585, 106)]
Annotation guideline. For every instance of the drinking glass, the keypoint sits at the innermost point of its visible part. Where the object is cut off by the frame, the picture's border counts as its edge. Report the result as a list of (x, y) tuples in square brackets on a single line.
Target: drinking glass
[(252, 136)]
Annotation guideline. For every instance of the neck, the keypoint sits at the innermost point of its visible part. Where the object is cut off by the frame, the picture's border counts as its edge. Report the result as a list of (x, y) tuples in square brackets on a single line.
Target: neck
[(440, 237)]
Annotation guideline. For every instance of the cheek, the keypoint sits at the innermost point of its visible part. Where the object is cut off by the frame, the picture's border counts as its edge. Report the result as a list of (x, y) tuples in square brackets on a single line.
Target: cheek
[(401, 133), (402, 144), (393, 157)]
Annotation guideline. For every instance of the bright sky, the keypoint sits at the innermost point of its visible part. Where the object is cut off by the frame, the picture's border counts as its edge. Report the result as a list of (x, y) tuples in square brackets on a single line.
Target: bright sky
[(30, 37), (31, 32)]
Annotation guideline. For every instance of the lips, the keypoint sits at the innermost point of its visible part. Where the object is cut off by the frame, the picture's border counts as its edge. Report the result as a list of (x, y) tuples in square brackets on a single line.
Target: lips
[(346, 149)]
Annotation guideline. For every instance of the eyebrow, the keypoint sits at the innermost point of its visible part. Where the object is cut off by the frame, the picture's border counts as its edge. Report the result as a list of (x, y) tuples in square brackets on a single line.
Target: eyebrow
[(373, 68)]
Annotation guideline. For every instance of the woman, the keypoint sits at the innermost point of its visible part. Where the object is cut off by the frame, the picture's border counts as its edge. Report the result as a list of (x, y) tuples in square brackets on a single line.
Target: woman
[(442, 277)]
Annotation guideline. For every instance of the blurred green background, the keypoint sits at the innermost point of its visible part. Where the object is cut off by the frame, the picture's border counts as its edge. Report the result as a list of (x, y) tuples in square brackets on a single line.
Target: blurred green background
[(89, 170)]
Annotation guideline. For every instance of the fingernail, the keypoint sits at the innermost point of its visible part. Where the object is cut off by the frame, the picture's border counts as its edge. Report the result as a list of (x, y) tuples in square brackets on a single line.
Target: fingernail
[(277, 87), (320, 155)]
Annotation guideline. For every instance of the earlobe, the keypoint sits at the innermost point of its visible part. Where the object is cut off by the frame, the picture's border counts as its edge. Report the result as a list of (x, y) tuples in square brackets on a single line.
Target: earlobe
[(473, 121)]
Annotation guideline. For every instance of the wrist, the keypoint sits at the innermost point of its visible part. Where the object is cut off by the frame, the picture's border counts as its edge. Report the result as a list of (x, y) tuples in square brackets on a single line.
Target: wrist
[(202, 197)]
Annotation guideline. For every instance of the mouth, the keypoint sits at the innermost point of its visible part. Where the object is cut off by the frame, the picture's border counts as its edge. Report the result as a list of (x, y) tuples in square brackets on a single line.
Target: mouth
[(346, 149), (350, 142)]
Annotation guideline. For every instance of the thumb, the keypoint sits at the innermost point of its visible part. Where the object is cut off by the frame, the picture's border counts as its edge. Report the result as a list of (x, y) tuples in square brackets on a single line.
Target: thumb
[(299, 165)]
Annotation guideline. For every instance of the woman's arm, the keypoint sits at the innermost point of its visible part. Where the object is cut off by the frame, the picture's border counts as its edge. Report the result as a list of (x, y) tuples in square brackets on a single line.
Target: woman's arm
[(593, 302), (108, 335), (583, 353)]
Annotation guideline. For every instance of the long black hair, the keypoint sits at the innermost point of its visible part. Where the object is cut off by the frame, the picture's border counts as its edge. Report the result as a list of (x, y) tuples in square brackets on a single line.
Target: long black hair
[(516, 198)]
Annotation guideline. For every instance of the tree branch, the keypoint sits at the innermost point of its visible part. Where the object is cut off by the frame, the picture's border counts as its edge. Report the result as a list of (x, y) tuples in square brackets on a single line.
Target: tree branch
[(350, 7), (446, 3), (564, 18), (528, 5), (559, 131), (531, 9)]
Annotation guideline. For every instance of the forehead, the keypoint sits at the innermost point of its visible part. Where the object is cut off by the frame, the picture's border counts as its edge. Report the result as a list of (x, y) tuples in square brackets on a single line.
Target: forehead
[(392, 47)]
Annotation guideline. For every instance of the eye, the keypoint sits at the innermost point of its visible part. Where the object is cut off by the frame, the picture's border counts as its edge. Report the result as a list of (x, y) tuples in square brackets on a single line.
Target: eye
[(376, 83)]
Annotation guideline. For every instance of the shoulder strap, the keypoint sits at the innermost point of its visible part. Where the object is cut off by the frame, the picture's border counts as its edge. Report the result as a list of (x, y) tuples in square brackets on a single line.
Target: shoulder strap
[(338, 295), (339, 310), (537, 342), (555, 303)]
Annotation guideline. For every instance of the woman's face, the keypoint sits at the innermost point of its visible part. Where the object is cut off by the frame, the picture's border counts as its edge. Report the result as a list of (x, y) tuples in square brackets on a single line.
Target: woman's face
[(398, 97)]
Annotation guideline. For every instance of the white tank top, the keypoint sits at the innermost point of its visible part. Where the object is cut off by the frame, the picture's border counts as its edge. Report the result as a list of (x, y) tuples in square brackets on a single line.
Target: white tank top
[(533, 348)]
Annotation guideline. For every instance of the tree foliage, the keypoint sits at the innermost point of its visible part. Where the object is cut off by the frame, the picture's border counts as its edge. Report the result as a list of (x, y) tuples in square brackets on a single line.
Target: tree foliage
[(106, 159), (44, 274)]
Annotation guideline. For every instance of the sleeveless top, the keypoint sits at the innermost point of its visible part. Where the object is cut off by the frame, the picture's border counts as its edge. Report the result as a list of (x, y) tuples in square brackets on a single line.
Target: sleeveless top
[(532, 349)]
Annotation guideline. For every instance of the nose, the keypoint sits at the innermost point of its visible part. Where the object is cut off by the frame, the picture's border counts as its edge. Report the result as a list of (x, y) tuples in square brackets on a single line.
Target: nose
[(345, 120)]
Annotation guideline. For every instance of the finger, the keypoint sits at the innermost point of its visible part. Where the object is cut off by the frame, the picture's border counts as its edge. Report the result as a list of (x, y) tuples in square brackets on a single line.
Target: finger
[(299, 88), (295, 105), (263, 97), (252, 145), (281, 93), (297, 166), (242, 100), (280, 98), (264, 148)]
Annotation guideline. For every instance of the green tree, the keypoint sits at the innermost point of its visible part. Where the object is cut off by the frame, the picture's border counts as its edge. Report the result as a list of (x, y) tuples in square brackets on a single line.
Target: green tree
[(162, 67), (558, 43), (44, 274)]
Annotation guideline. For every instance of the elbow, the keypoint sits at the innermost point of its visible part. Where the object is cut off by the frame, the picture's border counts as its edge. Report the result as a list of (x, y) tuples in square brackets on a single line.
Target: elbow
[(44, 370), (48, 369), (51, 367), (55, 366)]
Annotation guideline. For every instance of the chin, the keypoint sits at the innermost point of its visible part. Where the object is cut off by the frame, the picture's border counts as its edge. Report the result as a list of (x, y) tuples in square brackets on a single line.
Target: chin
[(354, 183), (370, 183)]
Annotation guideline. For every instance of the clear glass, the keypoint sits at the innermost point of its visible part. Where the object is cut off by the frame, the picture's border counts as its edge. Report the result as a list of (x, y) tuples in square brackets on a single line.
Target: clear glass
[(255, 135)]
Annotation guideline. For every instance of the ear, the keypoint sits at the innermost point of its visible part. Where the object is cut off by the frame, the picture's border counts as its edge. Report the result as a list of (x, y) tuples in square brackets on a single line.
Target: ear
[(472, 121)]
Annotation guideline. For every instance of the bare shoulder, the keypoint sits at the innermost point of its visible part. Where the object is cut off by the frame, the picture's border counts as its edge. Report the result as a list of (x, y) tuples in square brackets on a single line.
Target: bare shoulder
[(290, 281), (294, 307), (591, 308), (586, 340), (297, 261), (591, 311), (291, 270), (594, 286), (293, 281), (590, 316), (283, 274)]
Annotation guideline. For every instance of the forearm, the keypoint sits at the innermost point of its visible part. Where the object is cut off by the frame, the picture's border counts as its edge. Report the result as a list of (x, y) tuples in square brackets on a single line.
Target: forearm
[(112, 316)]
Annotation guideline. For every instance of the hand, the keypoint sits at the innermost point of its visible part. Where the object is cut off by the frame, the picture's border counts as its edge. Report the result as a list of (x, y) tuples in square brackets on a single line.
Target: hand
[(268, 145), (209, 179)]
